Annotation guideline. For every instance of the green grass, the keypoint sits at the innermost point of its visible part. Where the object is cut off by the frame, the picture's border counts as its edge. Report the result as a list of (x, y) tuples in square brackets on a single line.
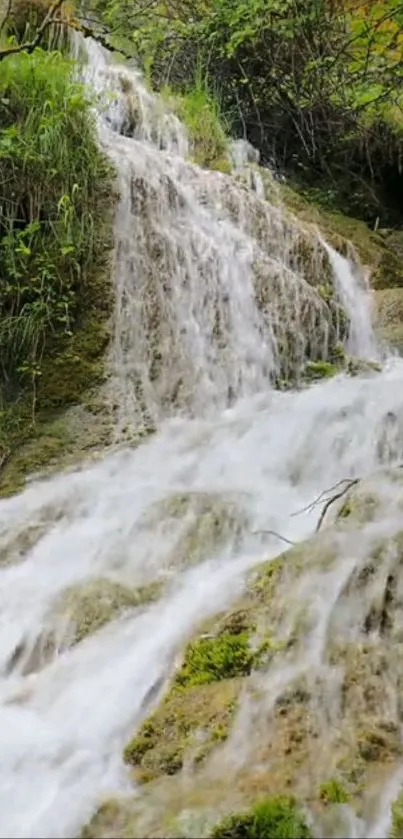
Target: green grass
[(200, 111)]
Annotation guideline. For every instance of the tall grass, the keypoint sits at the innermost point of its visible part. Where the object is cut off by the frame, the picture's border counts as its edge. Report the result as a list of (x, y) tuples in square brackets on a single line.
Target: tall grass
[(199, 109), (54, 184)]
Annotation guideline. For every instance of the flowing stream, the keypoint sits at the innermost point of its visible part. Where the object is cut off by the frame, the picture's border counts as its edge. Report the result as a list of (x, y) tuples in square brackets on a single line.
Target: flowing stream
[(226, 441)]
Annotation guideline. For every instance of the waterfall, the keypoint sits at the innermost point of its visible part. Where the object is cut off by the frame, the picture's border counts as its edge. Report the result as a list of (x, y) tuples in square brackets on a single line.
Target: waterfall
[(217, 292)]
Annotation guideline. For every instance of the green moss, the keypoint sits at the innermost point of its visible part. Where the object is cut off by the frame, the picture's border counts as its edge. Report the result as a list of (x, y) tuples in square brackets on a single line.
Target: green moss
[(264, 581), (277, 818), (320, 370), (396, 828), (333, 791), (360, 507), (189, 722), (212, 659), (346, 510)]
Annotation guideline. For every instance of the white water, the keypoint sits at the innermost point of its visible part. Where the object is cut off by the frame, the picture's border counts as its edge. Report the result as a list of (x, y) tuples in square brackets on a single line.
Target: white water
[(63, 726)]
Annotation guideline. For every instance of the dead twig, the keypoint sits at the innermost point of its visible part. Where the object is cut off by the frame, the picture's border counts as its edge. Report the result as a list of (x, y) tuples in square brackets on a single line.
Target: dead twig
[(320, 497), (273, 533), (353, 482)]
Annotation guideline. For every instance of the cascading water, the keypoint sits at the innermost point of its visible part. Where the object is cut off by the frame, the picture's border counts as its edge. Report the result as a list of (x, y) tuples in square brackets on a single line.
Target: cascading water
[(193, 353)]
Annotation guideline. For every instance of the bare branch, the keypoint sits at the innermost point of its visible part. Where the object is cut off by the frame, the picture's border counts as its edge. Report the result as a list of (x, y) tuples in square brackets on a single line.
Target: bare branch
[(273, 533), (320, 497), (330, 501)]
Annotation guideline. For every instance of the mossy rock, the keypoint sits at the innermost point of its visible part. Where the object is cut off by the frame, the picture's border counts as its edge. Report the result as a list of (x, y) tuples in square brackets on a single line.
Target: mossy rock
[(382, 259), (113, 817), (188, 724), (389, 316), (277, 818), (86, 607), (358, 507), (205, 522), (73, 371), (396, 827)]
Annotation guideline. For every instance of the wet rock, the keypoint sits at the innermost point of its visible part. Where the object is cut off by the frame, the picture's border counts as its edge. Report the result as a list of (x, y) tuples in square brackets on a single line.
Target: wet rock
[(203, 524)]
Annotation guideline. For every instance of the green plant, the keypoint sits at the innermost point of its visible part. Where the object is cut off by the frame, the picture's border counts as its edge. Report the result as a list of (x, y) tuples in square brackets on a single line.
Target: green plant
[(54, 189), (272, 818), (333, 792)]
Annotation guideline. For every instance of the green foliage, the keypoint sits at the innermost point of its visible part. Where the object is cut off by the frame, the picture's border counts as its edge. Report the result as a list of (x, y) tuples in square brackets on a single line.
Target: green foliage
[(272, 818), (333, 792), (53, 206), (211, 659), (318, 86)]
